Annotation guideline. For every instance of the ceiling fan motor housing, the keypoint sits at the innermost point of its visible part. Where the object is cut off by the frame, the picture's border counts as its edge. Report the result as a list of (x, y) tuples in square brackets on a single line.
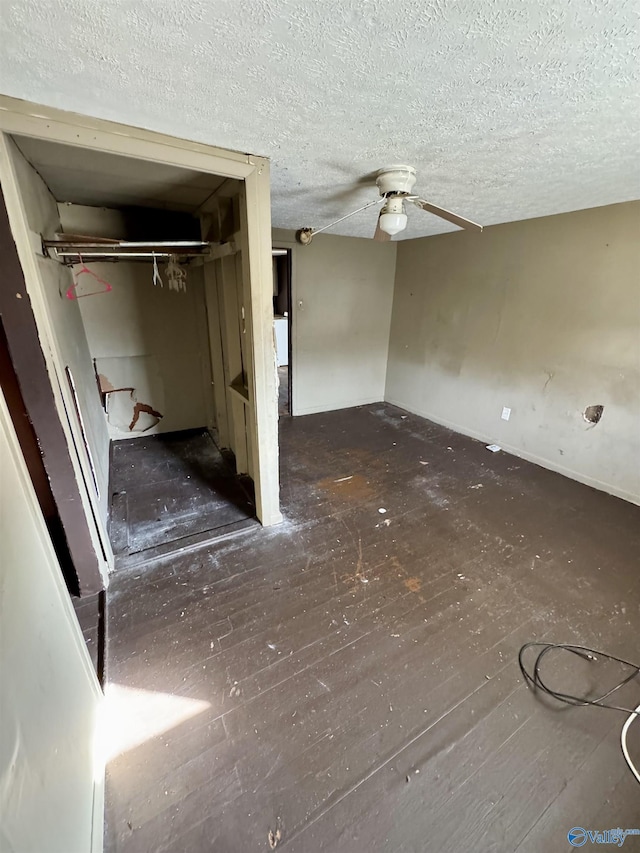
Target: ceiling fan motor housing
[(396, 179), (393, 204)]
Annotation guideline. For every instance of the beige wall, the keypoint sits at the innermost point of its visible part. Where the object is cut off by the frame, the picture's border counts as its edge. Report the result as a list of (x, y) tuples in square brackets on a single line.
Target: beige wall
[(51, 782), (66, 323), (147, 337), (542, 316), (342, 296)]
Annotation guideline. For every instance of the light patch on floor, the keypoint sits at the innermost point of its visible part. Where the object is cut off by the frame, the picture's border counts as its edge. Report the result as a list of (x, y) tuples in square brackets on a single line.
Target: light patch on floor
[(132, 716)]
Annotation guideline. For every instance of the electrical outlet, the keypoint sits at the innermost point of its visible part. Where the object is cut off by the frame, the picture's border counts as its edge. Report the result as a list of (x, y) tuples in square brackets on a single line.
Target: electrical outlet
[(506, 413)]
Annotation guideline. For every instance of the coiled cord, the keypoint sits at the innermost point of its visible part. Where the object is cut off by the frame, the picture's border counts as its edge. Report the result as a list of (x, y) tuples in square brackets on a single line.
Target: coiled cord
[(535, 681)]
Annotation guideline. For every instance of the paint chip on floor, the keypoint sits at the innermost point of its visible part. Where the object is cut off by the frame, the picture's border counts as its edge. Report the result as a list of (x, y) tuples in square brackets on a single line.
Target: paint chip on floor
[(274, 838)]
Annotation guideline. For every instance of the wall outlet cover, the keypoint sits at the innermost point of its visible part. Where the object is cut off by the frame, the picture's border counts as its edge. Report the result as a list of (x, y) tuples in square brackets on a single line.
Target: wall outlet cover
[(506, 413)]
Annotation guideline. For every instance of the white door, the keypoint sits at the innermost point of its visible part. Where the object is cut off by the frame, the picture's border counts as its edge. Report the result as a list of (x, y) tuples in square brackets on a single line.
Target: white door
[(51, 782)]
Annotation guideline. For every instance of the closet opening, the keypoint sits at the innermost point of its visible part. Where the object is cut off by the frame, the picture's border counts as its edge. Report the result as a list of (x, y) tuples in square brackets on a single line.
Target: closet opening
[(143, 269)]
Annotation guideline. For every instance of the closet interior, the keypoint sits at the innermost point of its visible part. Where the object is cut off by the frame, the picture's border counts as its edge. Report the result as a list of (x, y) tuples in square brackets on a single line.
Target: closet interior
[(141, 269)]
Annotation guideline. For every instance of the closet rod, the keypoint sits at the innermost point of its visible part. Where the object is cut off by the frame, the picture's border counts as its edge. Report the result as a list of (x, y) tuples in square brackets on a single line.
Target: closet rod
[(124, 248)]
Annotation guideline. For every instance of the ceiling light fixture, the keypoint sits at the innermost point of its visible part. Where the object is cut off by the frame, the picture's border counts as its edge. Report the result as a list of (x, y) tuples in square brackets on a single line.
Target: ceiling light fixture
[(393, 219)]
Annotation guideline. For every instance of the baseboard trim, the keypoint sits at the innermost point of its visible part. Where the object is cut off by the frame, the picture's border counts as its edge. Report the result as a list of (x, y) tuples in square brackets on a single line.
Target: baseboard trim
[(351, 404), (549, 464)]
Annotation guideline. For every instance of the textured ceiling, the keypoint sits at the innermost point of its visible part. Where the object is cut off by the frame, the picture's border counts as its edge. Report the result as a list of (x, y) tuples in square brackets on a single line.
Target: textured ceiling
[(507, 108)]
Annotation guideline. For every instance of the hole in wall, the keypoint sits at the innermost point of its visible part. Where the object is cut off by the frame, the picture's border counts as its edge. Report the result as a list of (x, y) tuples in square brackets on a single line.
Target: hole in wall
[(592, 414)]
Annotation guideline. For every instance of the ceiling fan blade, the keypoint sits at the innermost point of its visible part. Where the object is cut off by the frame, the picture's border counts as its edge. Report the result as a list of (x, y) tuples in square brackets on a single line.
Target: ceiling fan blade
[(445, 214), (380, 235)]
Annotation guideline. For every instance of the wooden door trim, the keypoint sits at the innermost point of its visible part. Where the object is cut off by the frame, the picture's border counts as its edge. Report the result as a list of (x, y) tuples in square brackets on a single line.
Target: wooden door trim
[(35, 384)]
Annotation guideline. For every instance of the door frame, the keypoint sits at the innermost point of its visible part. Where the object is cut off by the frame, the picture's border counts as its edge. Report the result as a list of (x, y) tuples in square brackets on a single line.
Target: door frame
[(39, 393), (27, 119)]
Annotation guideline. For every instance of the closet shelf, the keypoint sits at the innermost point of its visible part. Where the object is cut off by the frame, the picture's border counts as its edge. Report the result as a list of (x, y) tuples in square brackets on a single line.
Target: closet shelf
[(98, 248)]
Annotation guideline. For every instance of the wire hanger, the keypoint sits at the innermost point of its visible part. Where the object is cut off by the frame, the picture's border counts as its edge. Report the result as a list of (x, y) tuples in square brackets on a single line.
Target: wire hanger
[(176, 276), (157, 278), (84, 270)]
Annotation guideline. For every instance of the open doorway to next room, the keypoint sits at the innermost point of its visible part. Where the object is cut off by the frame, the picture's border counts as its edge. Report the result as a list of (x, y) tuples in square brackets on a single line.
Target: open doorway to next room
[(283, 316)]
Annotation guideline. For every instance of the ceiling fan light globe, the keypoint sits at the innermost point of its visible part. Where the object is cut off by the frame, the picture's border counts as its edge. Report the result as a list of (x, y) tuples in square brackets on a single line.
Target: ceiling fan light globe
[(393, 223)]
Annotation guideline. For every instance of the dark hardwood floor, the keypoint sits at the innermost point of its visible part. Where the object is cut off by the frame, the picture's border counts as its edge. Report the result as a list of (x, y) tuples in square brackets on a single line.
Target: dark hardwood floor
[(172, 491), (348, 681)]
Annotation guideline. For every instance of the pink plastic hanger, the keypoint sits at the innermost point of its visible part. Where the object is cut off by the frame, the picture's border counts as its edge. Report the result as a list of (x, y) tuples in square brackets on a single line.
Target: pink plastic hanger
[(84, 270)]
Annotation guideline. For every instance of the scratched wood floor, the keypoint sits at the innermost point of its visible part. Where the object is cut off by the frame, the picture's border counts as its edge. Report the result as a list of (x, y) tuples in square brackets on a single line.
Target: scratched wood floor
[(169, 487), (355, 670)]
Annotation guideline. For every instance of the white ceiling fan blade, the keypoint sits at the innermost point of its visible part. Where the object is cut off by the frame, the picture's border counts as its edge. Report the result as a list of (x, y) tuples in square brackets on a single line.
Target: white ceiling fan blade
[(460, 221), (381, 236)]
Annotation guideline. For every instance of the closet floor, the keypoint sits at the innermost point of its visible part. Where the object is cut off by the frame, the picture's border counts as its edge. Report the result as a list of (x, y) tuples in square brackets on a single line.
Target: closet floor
[(169, 491)]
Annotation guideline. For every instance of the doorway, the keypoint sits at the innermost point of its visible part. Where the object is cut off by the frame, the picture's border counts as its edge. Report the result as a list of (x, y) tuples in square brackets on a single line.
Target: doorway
[(150, 362), (283, 319)]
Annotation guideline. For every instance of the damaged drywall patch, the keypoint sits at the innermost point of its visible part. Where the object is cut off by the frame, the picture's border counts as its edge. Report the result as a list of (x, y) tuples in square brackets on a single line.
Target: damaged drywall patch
[(125, 412), (144, 408), (592, 414), (104, 384), (132, 391)]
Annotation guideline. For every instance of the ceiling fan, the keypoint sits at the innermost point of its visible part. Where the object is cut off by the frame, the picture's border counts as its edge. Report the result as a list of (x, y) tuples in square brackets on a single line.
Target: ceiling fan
[(395, 185)]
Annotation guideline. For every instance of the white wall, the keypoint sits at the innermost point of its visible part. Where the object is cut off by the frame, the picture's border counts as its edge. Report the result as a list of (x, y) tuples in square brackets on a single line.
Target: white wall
[(51, 783), (542, 316), (342, 298), (146, 337), (64, 314)]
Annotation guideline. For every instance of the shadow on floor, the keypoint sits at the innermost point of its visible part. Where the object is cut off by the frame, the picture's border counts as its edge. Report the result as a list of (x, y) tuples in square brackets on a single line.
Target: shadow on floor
[(169, 488)]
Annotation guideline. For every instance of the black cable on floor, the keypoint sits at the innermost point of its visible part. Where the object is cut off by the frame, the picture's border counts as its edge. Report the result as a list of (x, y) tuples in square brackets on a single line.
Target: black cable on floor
[(536, 682)]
